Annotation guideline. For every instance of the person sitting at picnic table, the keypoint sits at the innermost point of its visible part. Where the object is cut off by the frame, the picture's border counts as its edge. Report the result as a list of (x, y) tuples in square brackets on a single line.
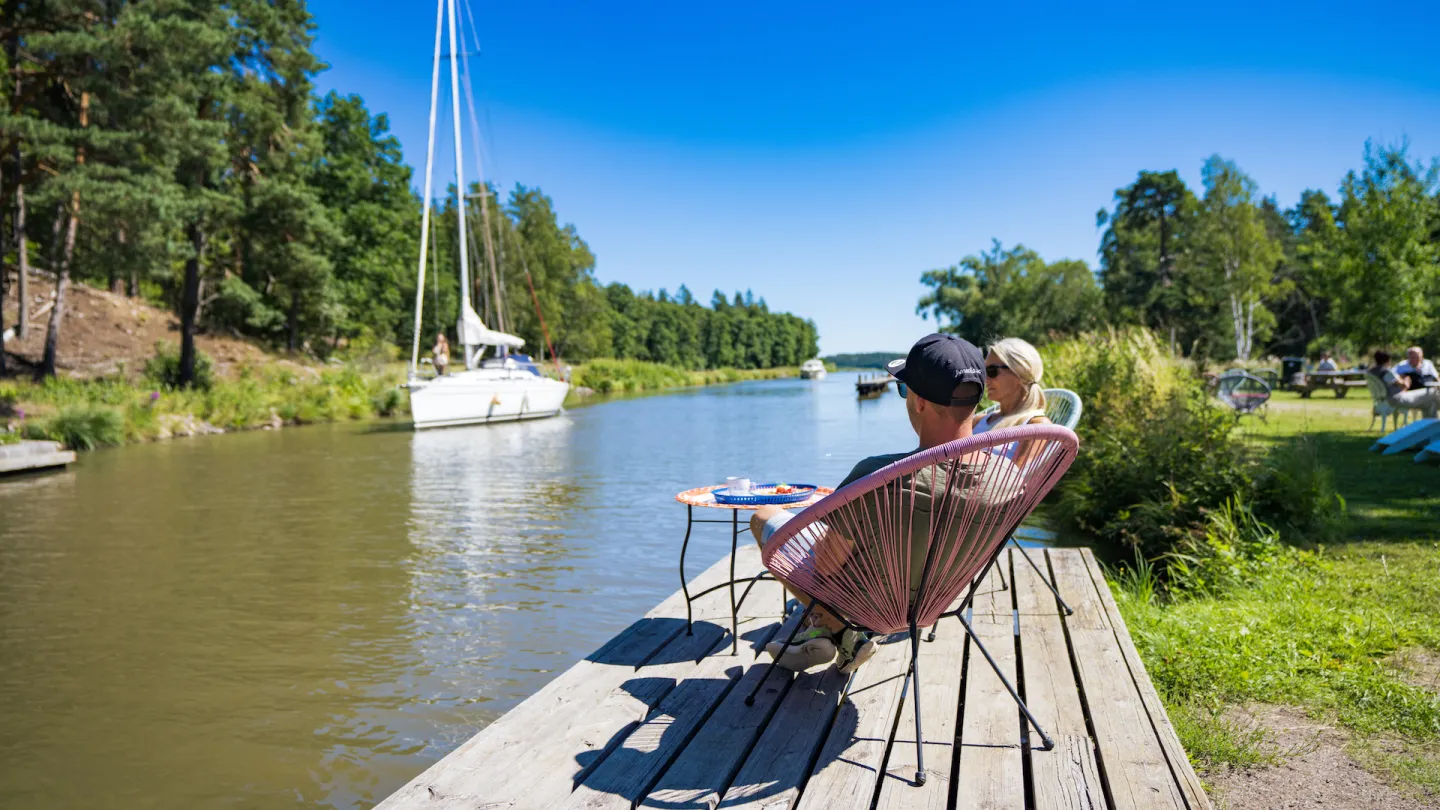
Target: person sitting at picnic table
[(941, 382), (1420, 371), (1397, 388), (1012, 380), (1326, 364), (440, 354)]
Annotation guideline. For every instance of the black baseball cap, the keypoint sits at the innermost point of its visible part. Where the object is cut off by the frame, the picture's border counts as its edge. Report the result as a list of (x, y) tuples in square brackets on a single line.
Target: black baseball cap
[(937, 364)]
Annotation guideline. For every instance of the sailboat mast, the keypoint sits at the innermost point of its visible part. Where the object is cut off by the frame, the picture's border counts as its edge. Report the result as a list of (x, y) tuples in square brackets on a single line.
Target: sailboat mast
[(465, 308), (429, 174)]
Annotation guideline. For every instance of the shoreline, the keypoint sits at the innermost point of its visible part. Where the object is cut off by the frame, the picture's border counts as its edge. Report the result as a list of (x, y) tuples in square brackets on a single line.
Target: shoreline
[(88, 414)]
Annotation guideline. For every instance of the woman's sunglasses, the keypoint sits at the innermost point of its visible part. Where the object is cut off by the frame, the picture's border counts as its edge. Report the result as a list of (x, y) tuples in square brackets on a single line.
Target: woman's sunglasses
[(990, 371)]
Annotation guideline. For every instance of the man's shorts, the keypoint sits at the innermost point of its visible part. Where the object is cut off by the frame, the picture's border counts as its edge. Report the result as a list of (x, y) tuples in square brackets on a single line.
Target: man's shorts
[(773, 524)]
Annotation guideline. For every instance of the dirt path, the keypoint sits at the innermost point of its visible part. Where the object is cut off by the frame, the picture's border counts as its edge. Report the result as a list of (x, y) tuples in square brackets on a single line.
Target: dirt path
[(103, 333), (1317, 770)]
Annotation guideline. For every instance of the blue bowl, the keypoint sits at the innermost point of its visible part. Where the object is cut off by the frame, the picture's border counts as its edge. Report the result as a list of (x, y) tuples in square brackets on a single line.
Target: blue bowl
[(722, 496)]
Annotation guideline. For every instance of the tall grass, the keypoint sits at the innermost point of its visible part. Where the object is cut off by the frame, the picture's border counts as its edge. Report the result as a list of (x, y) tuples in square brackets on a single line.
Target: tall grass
[(629, 376), (112, 411)]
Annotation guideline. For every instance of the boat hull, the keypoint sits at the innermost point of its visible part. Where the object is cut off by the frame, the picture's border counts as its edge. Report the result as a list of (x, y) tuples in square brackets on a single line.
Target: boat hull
[(812, 375), (483, 396)]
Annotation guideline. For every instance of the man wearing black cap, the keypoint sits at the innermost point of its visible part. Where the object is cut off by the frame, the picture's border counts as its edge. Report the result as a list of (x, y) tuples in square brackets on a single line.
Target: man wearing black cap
[(941, 380)]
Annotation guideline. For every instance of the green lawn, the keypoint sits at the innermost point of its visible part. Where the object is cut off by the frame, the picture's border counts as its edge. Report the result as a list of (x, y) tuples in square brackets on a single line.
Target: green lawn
[(1387, 496), (1319, 631)]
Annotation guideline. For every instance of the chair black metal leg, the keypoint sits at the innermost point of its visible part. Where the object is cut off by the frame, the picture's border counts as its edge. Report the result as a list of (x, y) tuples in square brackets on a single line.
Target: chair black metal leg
[(915, 677), (1058, 598), (774, 661), (685, 586), (1049, 743), (1000, 570)]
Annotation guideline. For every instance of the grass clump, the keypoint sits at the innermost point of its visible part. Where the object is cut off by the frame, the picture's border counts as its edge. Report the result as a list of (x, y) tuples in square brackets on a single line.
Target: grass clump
[(85, 427)]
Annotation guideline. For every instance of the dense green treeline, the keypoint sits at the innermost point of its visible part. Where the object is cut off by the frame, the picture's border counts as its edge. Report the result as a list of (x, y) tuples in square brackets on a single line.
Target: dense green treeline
[(1223, 272), (176, 150), (863, 359)]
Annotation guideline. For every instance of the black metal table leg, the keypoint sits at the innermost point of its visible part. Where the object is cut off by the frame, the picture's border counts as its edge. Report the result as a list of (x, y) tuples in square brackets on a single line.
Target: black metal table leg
[(734, 609), (685, 586)]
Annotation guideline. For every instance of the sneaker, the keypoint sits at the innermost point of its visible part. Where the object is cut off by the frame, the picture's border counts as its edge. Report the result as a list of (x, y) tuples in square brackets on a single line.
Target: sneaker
[(810, 648), (855, 648)]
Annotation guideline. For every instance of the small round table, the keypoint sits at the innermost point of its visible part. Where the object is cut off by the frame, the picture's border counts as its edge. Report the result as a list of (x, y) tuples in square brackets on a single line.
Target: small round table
[(701, 497)]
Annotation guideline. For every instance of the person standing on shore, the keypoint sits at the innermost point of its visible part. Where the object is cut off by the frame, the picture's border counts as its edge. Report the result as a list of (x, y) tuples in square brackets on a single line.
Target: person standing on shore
[(441, 354)]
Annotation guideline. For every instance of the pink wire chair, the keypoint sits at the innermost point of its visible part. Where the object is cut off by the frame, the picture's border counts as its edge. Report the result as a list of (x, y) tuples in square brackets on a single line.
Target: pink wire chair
[(885, 555)]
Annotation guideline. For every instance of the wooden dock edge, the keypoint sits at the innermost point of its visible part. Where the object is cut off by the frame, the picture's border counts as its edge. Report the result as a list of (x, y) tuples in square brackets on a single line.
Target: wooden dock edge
[(33, 456)]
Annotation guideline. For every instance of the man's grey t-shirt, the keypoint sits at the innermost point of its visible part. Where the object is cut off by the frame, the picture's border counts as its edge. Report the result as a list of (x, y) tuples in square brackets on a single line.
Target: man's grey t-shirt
[(984, 482), (874, 464)]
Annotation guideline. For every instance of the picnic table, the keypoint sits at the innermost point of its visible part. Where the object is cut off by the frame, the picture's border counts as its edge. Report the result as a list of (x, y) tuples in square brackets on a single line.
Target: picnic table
[(1338, 381)]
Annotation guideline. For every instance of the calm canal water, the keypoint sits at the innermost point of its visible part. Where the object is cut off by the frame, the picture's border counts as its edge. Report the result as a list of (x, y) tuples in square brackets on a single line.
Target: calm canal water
[(311, 617)]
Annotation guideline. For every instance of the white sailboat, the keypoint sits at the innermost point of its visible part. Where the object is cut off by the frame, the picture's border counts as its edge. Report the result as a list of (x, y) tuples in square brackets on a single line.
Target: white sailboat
[(506, 386)]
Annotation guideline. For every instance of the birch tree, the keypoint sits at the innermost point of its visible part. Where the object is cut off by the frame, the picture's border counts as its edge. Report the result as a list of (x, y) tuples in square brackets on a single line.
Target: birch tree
[(1235, 245)]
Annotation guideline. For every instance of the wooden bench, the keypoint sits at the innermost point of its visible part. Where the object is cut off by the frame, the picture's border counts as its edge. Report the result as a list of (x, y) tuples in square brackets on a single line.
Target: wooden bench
[(1340, 385)]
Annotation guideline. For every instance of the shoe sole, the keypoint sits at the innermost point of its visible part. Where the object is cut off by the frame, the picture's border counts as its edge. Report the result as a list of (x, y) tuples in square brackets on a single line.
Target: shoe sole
[(863, 653)]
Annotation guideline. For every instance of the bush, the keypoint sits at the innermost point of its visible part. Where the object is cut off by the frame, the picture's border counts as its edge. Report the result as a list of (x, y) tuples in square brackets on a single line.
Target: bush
[(387, 401), (164, 368), (86, 427), (1156, 454), (1237, 548), (1296, 492)]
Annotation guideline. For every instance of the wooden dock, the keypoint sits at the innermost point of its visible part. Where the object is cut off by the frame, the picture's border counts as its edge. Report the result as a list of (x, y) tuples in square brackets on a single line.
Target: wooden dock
[(656, 718), (33, 457), (872, 386)]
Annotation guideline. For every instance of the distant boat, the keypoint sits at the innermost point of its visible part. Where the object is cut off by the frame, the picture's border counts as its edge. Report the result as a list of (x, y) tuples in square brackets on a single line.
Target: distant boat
[(502, 388), (812, 369)]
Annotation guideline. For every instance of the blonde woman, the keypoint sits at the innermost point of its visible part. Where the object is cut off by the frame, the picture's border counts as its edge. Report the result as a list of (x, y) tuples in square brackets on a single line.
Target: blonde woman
[(1013, 370)]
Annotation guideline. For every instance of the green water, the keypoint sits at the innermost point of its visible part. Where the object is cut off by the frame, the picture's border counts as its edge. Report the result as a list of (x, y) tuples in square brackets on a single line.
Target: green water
[(310, 617)]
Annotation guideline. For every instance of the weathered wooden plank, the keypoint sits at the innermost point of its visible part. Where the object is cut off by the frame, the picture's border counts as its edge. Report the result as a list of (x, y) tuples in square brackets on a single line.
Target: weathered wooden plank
[(1068, 566), (1132, 760), (850, 763), (1189, 783), (698, 778), (773, 773), (940, 677), (992, 774), (580, 711), (1066, 778), (638, 761), (992, 598)]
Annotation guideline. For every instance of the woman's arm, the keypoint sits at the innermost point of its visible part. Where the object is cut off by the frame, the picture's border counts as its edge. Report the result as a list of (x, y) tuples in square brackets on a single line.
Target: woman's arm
[(1027, 450)]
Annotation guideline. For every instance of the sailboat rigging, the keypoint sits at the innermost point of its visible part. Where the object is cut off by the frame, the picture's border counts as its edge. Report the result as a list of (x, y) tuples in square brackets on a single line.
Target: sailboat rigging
[(507, 386)]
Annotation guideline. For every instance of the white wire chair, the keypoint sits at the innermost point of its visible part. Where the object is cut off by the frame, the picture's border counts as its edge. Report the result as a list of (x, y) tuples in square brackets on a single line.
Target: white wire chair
[(1062, 407), (1381, 407)]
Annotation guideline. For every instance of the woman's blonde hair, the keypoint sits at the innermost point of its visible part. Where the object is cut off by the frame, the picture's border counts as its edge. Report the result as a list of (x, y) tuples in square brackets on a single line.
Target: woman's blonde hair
[(1024, 361)]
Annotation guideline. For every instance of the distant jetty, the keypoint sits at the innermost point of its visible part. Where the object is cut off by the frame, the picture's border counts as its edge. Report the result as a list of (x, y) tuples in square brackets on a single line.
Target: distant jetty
[(33, 457), (872, 386)]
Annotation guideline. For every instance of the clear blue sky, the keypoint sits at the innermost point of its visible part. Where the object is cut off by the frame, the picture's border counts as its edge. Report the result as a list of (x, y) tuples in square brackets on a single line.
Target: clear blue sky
[(825, 155)]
